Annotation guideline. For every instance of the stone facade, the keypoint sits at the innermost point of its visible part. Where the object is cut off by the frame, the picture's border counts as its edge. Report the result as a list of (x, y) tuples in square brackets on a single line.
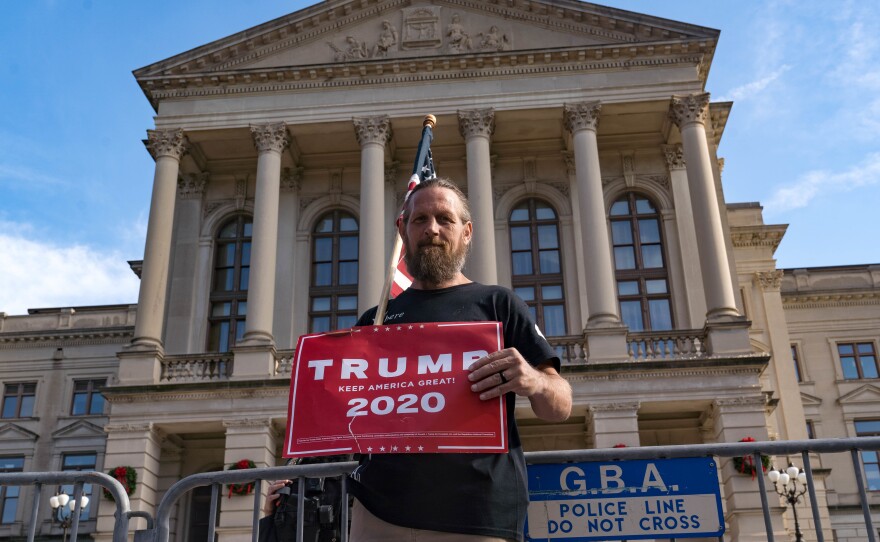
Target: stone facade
[(569, 105)]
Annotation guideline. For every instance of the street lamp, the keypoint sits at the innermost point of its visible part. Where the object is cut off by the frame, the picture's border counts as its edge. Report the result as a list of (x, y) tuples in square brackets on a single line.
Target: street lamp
[(789, 480), (62, 510)]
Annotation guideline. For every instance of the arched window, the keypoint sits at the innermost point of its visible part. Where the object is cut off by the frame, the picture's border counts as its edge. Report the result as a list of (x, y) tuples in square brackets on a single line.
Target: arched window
[(537, 263), (333, 288), (640, 265), (232, 263)]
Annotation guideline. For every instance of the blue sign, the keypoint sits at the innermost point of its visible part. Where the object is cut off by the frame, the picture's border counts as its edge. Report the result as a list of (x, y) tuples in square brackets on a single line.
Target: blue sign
[(625, 500)]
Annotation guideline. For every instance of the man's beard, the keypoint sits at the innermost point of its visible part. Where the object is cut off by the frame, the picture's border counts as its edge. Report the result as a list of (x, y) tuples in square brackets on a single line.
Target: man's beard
[(434, 263)]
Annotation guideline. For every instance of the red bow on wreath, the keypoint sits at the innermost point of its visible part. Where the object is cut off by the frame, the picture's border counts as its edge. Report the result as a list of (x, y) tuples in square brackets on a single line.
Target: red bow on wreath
[(746, 464), (126, 476), (241, 489)]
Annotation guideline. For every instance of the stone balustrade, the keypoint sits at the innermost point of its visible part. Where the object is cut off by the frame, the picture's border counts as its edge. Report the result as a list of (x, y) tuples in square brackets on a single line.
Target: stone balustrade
[(210, 367), (666, 345)]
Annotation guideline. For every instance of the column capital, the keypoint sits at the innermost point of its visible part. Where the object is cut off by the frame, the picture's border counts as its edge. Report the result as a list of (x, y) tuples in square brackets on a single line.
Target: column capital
[(372, 129), (769, 280), (581, 116), (167, 143), (191, 185), (270, 137), (690, 108), (476, 122), (626, 406), (674, 157)]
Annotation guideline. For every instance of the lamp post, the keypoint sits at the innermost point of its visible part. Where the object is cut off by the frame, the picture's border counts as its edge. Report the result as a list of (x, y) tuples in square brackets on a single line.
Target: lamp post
[(789, 480), (63, 508)]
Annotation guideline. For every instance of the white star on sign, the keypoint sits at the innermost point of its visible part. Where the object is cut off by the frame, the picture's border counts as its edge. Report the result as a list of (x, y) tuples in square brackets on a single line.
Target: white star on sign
[(410, 327), (408, 448), (421, 448), (369, 448), (399, 328), (394, 448), (387, 329), (375, 329), (382, 448)]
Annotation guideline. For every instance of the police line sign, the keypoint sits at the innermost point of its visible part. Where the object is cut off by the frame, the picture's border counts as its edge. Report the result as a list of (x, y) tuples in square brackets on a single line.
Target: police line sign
[(624, 500)]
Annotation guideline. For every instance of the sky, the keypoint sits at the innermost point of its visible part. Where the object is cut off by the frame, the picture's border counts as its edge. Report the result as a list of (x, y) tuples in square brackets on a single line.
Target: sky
[(803, 138)]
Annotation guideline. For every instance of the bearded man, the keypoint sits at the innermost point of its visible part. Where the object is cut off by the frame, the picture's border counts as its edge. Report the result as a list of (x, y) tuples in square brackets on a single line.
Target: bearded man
[(451, 497)]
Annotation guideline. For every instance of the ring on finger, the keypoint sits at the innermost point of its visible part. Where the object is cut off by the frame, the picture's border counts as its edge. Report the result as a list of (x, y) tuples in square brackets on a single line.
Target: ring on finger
[(503, 378)]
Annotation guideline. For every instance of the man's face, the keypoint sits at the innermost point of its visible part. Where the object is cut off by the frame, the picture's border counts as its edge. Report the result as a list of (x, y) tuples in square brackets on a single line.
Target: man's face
[(435, 237)]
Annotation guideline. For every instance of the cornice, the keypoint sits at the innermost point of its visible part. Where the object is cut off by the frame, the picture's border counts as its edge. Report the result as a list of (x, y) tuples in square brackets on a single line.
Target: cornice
[(757, 236), (384, 72), (752, 364), (72, 337), (829, 300)]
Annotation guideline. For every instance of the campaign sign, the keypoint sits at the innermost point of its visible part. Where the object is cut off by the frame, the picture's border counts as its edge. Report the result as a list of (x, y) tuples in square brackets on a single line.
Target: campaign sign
[(625, 500), (393, 389)]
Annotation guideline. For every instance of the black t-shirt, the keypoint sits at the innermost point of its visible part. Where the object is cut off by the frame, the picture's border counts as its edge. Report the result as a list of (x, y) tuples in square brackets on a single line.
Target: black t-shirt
[(482, 494)]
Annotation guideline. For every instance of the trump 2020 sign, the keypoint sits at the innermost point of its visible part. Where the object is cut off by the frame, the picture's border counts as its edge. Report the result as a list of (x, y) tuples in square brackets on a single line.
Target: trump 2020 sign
[(393, 389)]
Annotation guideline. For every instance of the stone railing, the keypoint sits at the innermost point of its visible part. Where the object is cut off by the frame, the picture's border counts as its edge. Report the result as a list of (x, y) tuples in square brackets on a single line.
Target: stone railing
[(571, 349), (210, 367), (666, 345), (284, 362)]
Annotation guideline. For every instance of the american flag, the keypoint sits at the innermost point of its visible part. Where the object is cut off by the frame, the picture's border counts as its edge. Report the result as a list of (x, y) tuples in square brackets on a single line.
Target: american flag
[(423, 170)]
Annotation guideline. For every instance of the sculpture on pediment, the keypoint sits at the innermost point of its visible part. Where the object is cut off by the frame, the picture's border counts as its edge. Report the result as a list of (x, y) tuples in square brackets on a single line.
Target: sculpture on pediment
[(494, 40), (355, 50), (421, 28), (387, 40), (459, 41)]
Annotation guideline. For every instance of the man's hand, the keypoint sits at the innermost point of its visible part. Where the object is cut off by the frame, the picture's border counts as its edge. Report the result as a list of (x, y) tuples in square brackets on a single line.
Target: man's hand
[(507, 371), (272, 496)]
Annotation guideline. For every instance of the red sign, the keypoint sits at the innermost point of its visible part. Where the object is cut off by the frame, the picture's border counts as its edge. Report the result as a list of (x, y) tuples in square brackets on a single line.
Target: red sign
[(393, 389)]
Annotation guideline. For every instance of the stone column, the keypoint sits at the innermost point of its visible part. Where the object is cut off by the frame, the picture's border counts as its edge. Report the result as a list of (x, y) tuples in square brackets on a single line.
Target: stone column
[(684, 220), (731, 419), (690, 113), (167, 147), (606, 336), (476, 127), (270, 140), (254, 439), (615, 423), (286, 278), (136, 445), (373, 133)]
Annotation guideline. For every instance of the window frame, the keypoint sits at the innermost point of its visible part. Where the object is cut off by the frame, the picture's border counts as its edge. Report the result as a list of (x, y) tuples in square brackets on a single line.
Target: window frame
[(20, 393), (88, 513), (93, 386), (333, 291), (5, 497), (236, 297), (855, 343), (639, 273), (538, 280), (798, 364), (873, 455)]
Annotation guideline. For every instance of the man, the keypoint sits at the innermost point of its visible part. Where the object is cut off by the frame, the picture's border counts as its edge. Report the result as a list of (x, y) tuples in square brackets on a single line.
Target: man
[(469, 497)]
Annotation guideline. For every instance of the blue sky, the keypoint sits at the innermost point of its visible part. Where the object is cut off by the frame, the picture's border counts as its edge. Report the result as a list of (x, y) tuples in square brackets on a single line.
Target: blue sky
[(803, 137)]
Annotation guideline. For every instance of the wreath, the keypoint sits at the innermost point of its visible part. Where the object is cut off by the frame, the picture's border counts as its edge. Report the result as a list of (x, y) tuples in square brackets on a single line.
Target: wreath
[(126, 476), (243, 488), (746, 464)]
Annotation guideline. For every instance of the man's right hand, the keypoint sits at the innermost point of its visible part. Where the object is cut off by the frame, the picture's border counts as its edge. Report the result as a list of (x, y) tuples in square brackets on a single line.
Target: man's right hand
[(272, 497)]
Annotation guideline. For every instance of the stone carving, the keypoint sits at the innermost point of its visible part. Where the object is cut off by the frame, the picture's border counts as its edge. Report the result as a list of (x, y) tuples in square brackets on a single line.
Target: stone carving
[(270, 137), (691, 108), (421, 28), (387, 40), (581, 116), (459, 40), (354, 49), (494, 40), (769, 280), (476, 122), (568, 158), (191, 185), (391, 171), (674, 157), (291, 179), (240, 193), (372, 129), (167, 143)]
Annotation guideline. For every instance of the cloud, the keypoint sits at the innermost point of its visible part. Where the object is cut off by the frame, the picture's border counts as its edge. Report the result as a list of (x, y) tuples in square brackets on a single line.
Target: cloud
[(38, 274), (814, 183), (744, 92), (28, 175)]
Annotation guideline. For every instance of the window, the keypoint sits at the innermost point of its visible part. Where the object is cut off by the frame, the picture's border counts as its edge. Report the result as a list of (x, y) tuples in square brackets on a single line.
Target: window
[(229, 288), (18, 400), (857, 360), (9, 494), (639, 263), (797, 363), (86, 397), (85, 461), (811, 429), (333, 290), (537, 263), (870, 428)]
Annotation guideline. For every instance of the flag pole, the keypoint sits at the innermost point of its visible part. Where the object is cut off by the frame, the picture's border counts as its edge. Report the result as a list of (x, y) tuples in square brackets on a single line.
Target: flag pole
[(421, 153)]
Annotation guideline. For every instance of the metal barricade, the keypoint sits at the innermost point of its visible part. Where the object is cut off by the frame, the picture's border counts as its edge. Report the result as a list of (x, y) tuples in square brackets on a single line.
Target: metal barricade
[(77, 479), (159, 532)]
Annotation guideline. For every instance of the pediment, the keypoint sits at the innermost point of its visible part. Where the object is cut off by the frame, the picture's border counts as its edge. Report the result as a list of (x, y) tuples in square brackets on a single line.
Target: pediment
[(79, 429), (810, 400), (380, 36), (868, 393), (10, 432)]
